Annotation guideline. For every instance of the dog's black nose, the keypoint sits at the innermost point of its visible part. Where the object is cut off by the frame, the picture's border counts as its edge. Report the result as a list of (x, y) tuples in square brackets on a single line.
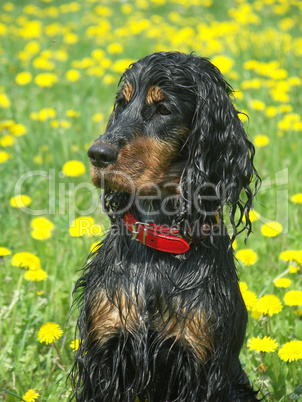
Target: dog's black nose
[(102, 155)]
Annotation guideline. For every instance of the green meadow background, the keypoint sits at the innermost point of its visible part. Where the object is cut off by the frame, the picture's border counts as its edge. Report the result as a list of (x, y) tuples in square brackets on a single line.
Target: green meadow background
[(60, 63)]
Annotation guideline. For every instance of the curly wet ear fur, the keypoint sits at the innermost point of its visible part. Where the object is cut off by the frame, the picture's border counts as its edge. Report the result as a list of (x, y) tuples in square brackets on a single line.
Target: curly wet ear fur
[(220, 156)]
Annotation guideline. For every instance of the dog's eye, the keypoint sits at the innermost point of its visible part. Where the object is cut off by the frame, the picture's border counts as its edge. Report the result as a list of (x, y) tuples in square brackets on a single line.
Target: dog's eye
[(163, 110)]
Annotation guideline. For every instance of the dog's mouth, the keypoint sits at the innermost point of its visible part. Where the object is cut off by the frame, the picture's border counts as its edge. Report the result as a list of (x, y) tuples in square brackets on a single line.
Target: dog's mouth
[(143, 167), (140, 182)]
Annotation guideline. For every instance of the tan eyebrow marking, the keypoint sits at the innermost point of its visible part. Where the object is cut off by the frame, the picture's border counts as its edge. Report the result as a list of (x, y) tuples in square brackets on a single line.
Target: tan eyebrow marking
[(155, 94), (127, 91)]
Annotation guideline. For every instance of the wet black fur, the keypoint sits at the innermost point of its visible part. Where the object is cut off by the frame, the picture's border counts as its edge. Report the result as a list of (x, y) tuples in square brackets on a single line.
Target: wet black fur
[(217, 158)]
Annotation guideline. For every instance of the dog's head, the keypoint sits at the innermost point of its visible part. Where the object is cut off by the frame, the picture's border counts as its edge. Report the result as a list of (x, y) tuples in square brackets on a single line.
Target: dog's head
[(175, 131)]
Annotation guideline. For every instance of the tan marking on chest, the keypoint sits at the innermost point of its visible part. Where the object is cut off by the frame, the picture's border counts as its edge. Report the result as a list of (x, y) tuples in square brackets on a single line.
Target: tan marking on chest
[(191, 330)]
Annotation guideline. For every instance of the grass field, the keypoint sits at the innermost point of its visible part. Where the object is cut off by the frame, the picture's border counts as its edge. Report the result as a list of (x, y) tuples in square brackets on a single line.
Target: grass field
[(60, 63)]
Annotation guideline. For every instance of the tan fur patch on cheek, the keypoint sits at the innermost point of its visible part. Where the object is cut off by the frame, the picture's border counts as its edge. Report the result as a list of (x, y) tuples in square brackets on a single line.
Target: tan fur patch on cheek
[(145, 164), (155, 94), (145, 160)]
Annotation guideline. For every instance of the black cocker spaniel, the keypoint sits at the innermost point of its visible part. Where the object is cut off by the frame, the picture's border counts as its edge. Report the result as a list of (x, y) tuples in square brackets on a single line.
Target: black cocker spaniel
[(162, 317)]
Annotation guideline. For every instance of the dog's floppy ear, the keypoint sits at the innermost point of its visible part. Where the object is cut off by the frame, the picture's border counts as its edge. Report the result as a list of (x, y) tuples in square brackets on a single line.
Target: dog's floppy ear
[(220, 156)]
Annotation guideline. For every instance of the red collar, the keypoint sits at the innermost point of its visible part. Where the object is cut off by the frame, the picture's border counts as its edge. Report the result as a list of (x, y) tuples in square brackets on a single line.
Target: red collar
[(161, 238)]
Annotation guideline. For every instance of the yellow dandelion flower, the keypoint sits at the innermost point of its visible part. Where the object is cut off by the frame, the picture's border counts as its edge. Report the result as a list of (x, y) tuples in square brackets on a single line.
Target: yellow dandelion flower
[(49, 332), (286, 108), (261, 140), (38, 159), (282, 282), (8, 7), (36, 275), (60, 123), (251, 64), (291, 351), (43, 63), (249, 298), (269, 304), (18, 130), (32, 47), (265, 344), (20, 201), (34, 116), (71, 38), (46, 80), (238, 94), (31, 395), (293, 298), (234, 244), (242, 286), (271, 229), (126, 8), (253, 215), (41, 234), (75, 344), (54, 124), (97, 230), (251, 84), (97, 117), (289, 255), (81, 226), (109, 79), (72, 113), (65, 124), (296, 198), (46, 114), (247, 256), (224, 63), (257, 105), (279, 74), (42, 223), (73, 75), (279, 95), (26, 260), (284, 125), (6, 124), (256, 314), (293, 270), (115, 48), (4, 156), (23, 78), (271, 111), (298, 257), (7, 141), (74, 168), (97, 54), (4, 101), (31, 29), (4, 251), (120, 65), (95, 246)]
